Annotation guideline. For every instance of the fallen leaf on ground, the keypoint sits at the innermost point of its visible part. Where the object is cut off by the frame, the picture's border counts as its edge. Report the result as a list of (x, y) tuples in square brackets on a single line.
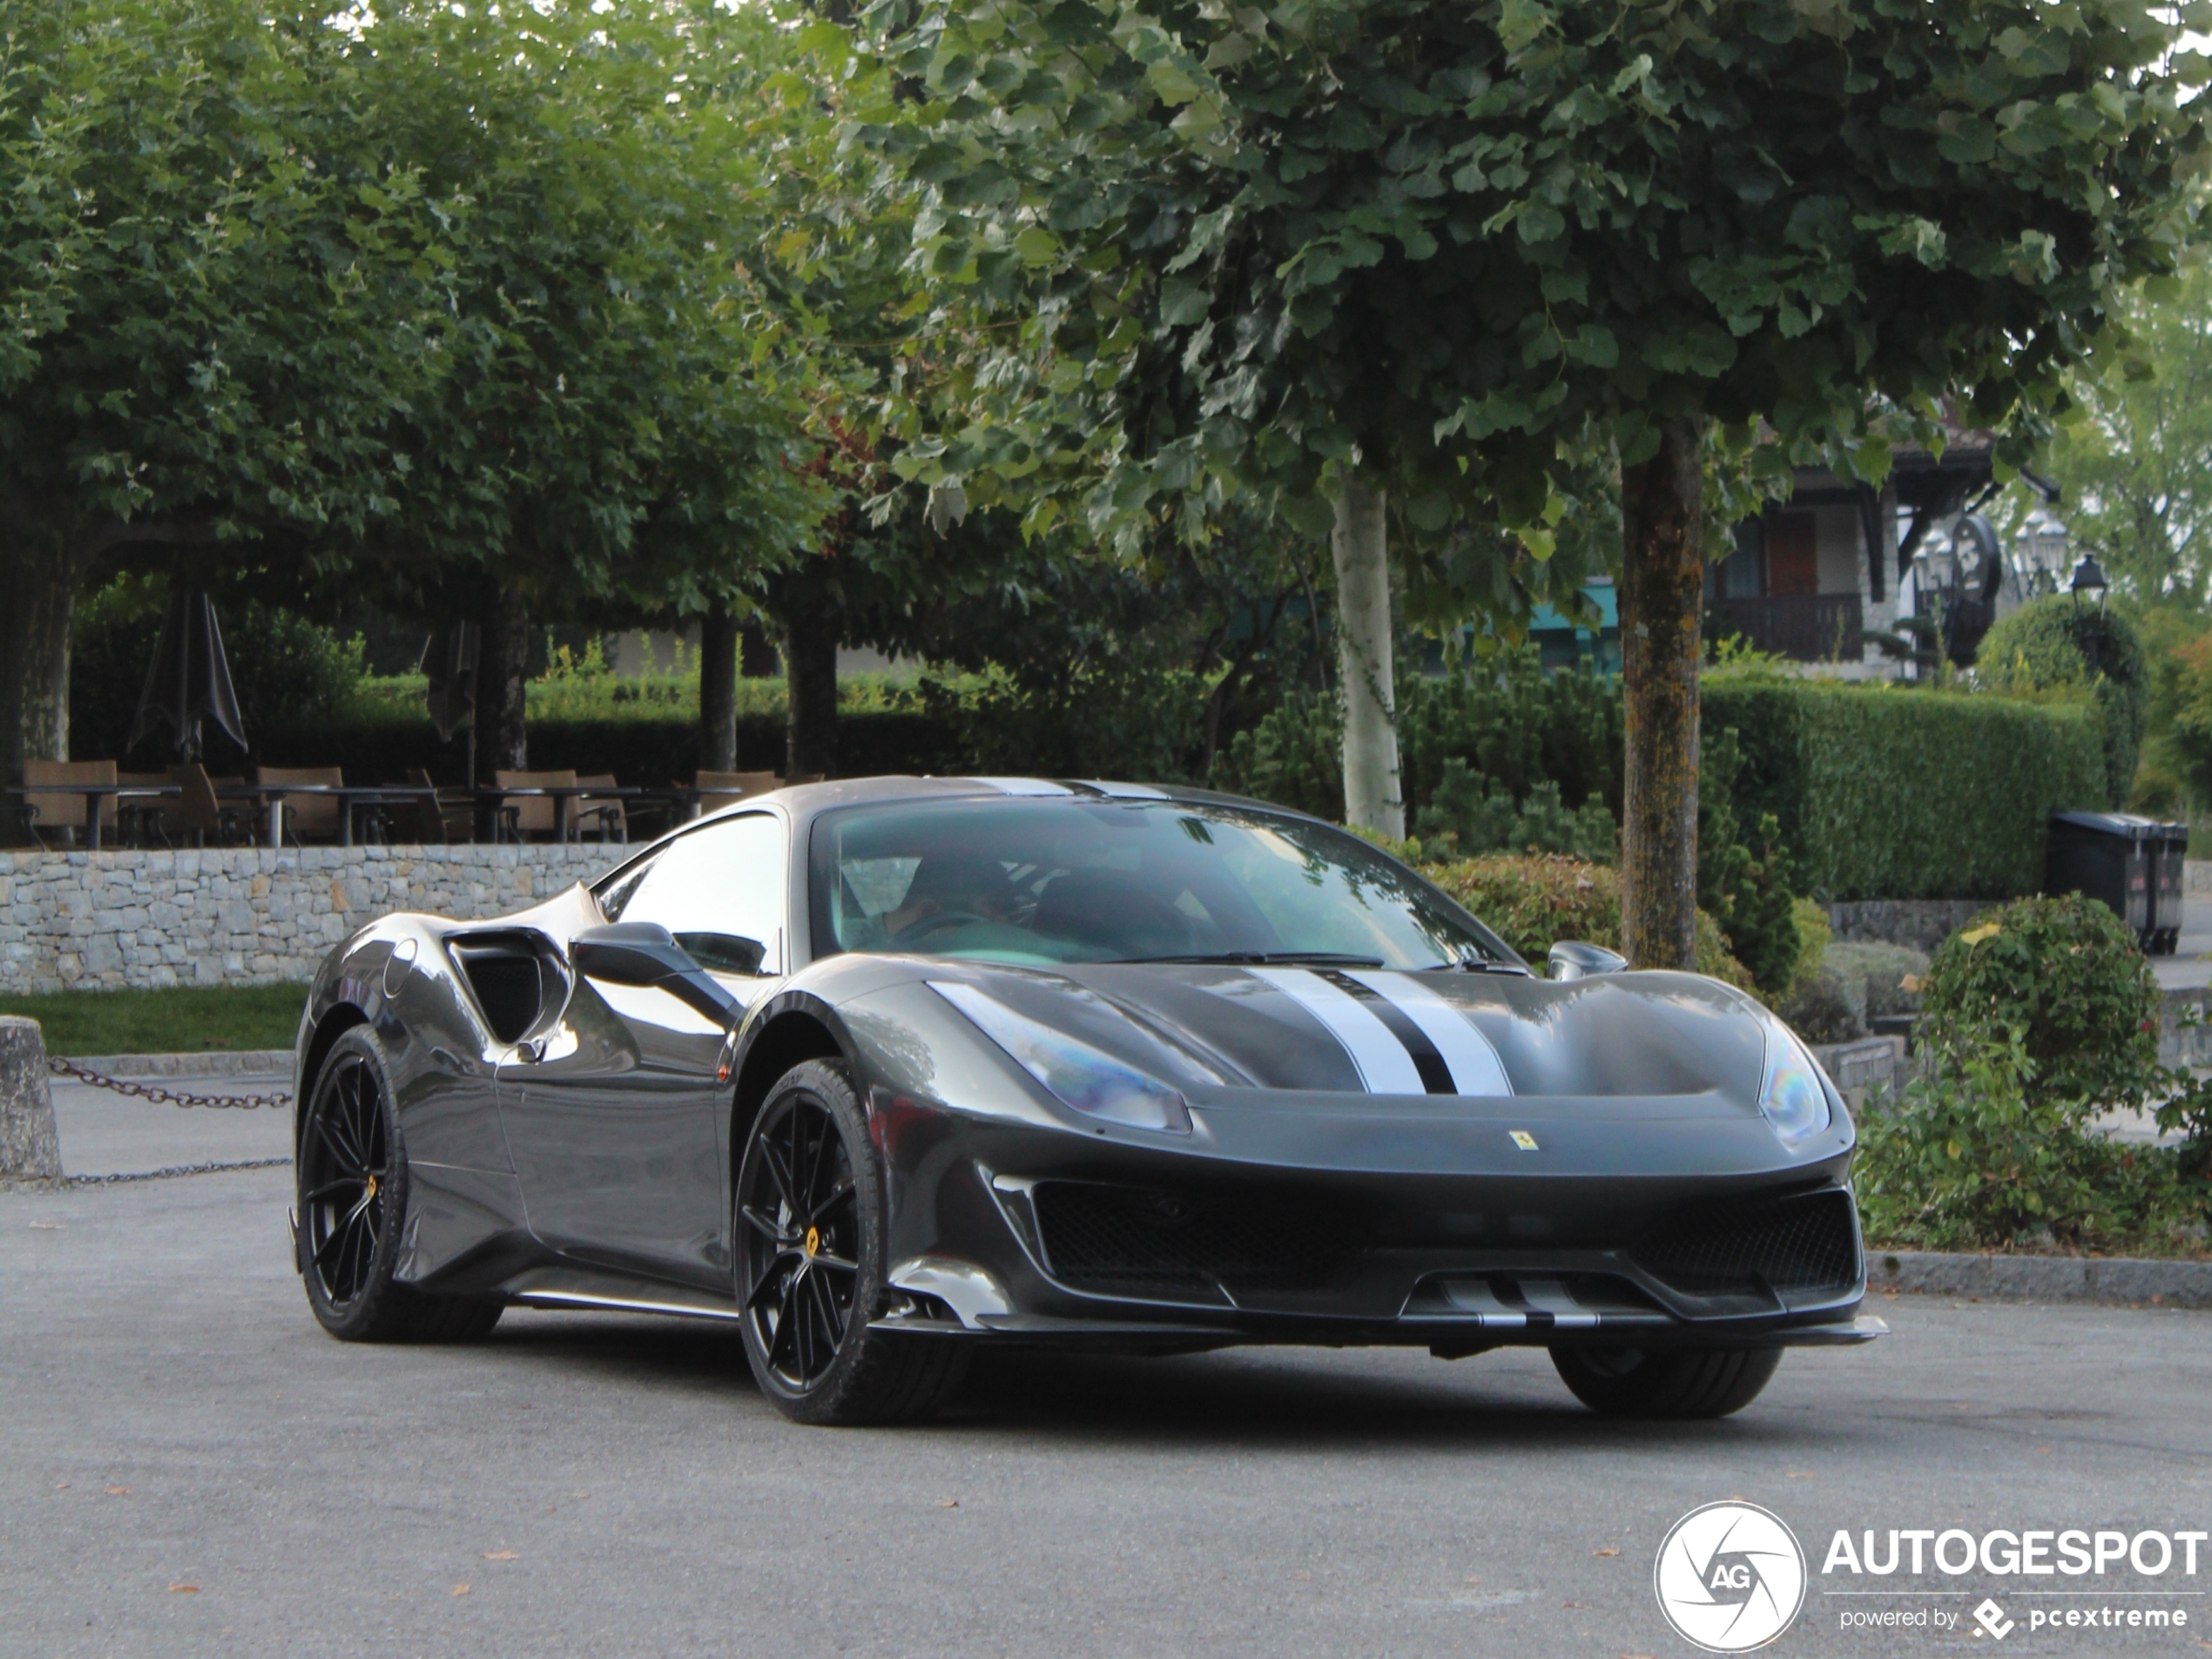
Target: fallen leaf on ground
[(118, 1492), (1798, 1474), (185, 1589), (501, 1556), (948, 1503), (61, 1486), (461, 1589), (2042, 1451), (46, 1226), (1610, 1549)]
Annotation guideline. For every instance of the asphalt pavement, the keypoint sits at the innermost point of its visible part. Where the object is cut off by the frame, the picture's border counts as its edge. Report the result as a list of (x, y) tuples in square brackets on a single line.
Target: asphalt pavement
[(189, 1467)]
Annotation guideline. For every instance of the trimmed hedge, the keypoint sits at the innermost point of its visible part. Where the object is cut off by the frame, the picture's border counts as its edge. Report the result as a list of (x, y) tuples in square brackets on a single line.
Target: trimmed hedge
[(1889, 793)]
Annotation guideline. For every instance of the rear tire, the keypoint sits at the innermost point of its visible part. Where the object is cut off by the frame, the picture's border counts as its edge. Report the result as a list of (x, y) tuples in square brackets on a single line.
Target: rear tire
[(351, 1182), (1677, 1386), (810, 1218)]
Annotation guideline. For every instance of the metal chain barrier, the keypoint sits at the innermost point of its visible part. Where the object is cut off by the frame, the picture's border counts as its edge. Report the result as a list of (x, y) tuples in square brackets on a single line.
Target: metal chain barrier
[(161, 1097)]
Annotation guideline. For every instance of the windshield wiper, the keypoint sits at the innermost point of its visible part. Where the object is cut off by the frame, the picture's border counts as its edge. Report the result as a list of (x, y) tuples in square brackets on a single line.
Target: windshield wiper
[(1269, 959), (1479, 965)]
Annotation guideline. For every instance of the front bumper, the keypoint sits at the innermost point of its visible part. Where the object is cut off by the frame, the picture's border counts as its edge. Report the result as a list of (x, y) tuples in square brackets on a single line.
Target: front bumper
[(1032, 1235)]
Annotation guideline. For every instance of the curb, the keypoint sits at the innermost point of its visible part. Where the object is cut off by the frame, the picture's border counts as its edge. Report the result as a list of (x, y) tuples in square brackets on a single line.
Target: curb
[(2111, 1281), (215, 1062)]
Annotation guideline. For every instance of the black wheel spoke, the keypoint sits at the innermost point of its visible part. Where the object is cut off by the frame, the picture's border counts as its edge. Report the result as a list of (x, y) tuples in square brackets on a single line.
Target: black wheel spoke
[(787, 1336), (329, 1187), (837, 1196), (835, 1264), (347, 1163), (782, 1237)]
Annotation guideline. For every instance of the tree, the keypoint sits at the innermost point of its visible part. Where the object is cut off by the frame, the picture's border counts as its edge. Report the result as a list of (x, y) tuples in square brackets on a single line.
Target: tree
[(613, 430), (1448, 255), (2133, 460), (204, 323)]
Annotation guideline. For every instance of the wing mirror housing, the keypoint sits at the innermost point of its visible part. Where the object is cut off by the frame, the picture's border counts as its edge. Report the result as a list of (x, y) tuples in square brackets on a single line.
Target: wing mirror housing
[(646, 953), (1579, 958)]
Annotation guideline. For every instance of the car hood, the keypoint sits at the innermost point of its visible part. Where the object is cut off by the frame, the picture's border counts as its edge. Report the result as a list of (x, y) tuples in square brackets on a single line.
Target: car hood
[(1378, 1032)]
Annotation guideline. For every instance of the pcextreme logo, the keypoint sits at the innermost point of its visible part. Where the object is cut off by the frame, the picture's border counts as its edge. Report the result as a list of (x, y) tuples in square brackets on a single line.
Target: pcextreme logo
[(1730, 1577)]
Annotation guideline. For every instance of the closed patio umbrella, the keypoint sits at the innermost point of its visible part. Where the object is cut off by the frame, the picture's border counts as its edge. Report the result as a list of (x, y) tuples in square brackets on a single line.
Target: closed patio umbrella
[(189, 680), (450, 664)]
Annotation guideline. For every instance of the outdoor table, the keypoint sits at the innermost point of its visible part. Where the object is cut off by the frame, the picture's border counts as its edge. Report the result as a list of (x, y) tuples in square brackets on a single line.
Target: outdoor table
[(94, 794), (348, 797)]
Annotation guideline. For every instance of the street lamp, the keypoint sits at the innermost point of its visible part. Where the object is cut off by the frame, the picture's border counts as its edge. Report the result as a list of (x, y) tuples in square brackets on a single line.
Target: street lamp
[(2089, 579)]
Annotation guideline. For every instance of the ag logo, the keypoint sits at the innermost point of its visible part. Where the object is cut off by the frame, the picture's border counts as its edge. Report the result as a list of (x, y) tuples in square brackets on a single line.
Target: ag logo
[(1730, 1577)]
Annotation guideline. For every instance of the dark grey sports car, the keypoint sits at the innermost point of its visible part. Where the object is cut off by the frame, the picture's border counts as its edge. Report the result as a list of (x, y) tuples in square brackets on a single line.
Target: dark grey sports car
[(890, 1070)]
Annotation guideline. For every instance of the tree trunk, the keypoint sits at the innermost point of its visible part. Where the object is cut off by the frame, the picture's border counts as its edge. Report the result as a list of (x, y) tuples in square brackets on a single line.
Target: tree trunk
[(718, 689), (40, 586), (502, 669), (810, 678), (1662, 598), (1372, 799)]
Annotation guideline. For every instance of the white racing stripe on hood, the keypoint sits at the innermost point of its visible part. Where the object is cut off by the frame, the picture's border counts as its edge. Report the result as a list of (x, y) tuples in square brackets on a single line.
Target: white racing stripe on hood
[(1475, 1064), (1383, 1065)]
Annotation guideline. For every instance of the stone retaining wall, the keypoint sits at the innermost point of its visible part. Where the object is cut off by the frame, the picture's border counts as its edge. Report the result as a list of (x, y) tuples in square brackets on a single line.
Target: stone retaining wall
[(1921, 923), (245, 915)]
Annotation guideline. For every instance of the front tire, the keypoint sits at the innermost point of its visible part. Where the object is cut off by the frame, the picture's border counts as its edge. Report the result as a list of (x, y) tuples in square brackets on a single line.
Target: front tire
[(1678, 1387), (811, 1269), (353, 1186)]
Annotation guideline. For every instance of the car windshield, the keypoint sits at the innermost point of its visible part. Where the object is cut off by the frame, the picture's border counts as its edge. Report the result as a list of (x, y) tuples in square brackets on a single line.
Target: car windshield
[(1041, 880)]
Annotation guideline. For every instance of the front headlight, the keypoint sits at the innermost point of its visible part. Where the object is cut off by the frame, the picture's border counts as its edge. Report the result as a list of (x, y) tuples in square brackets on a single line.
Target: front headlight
[(1791, 1094), (1077, 1075)]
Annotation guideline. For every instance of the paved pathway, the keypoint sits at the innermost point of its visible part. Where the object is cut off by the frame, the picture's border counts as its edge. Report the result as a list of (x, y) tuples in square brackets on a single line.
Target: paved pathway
[(188, 1467)]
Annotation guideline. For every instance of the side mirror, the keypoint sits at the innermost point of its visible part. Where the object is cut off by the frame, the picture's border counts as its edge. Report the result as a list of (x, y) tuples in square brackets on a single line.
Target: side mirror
[(644, 953), (1579, 958)]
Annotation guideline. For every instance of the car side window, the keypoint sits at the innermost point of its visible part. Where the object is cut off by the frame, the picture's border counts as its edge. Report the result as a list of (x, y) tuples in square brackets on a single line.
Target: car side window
[(727, 878)]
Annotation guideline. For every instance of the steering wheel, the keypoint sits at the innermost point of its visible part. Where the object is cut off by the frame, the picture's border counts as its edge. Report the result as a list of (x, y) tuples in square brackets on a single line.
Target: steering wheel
[(943, 922)]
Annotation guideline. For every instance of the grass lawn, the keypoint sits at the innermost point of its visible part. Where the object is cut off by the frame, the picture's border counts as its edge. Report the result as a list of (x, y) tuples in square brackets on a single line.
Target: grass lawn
[(189, 1017)]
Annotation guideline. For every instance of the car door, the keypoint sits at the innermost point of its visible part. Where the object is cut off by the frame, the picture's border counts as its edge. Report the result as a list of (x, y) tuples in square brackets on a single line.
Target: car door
[(613, 1118)]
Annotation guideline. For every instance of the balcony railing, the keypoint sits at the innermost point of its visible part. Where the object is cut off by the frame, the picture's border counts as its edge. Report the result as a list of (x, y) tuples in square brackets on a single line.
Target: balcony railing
[(1806, 627)]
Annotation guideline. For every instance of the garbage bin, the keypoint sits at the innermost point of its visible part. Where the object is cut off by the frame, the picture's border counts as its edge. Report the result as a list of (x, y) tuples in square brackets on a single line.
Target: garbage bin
[(2169, 882), (2121, 859)]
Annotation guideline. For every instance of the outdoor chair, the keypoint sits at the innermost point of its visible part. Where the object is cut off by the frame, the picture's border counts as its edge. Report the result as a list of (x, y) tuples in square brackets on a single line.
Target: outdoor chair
[(718, 789), (524, 816), (307, 817), (606, 818), (445, 815), (47, 813), (202, 814), (145, 821)]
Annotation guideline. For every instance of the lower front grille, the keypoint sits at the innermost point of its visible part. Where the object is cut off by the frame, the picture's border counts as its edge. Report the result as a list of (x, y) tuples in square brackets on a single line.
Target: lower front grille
[(1792, 1245), (1137, 1242)]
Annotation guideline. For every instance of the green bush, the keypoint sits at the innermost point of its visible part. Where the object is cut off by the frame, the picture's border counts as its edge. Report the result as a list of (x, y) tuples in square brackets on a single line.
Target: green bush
[(2066, 972), (1744, 880), (1105, 718), (1533, 902), (1469, 815), (2034, 1022), (2056, 642), (1976, 1155), (1892, 793)]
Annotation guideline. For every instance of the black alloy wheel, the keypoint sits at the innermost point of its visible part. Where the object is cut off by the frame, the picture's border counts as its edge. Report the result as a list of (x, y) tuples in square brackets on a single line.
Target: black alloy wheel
[(1683, 1386), (811, 1273), (353, 1188)]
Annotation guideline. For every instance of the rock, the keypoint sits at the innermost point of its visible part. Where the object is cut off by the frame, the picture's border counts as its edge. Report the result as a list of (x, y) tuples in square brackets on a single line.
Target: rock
[(29, 1147)]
